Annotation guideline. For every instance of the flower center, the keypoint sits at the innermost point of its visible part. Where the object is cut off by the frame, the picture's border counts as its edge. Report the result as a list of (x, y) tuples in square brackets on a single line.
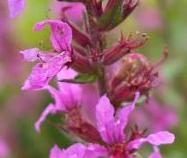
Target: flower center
[(80, 127), (119, 151)]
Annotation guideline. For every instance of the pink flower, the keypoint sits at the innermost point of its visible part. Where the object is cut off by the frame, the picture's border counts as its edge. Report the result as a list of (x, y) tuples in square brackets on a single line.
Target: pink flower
[(51, 63), (112, 130), (115, 143), (15, 7), (71, 99)]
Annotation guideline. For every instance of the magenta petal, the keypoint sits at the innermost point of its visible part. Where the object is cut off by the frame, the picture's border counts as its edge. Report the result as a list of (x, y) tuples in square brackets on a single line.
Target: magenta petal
[(30, 55), (156, 139), (42, 73), (56, 152), (15, 7), (58, 97), (105, 118), (89, 99), (78, 151), (110, 128), (123, 115), (50, 109), (67, 97), (136, 144), (56, 63), (74, 151), (156, 153), (37, 79), (61, 34), (66, 73), (159, 138), (95, 151)]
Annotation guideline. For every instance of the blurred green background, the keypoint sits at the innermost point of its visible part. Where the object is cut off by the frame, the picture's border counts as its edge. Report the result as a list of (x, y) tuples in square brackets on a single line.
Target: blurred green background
[(17, 128)]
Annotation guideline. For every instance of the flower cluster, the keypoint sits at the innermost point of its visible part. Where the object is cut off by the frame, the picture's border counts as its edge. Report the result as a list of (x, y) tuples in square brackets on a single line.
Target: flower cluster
[(97, 87)]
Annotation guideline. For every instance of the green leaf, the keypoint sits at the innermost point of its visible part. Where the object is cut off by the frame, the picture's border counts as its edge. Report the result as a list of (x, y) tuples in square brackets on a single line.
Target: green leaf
[(82, 78), (86, 78)]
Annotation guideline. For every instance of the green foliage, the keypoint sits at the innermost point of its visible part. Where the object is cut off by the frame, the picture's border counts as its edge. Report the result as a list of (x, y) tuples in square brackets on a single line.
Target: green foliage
[(86, 78)]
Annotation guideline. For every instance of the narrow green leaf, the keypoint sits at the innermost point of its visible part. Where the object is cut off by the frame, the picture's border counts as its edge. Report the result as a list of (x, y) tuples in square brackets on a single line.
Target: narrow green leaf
[(86, 78)]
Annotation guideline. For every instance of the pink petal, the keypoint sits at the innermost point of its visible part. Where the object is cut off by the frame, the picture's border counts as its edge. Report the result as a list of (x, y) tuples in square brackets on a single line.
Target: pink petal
[(72, 92), (55, 152), (78, 151), (56, 63), (61, 34), (30, 55), (58, 97), (50, 109), (37, 79), (66, 73), (110, 128), (123, 115), (161, 138), (42, 73), (95, 151), (136, 144), (157, 139), (74, 151), (89, 99), (67, 97), (105, 118), (156, 153), (15, 7)]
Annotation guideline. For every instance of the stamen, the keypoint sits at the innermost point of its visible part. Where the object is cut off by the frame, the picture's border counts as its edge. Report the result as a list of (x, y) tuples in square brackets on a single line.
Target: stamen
[(163, 58)]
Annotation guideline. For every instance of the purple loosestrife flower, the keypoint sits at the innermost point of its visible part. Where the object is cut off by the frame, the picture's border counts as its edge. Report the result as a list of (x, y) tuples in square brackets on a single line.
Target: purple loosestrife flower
[(112, 130), (65, 98), (115, 144), (50, 63), (77, 103), (15, 7)]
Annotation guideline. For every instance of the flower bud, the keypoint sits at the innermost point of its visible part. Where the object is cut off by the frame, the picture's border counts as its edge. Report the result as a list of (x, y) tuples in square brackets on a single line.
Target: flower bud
[(81, 63), (81, 128), (115, 12), (124, 47), (129, 6), (135, 74)]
